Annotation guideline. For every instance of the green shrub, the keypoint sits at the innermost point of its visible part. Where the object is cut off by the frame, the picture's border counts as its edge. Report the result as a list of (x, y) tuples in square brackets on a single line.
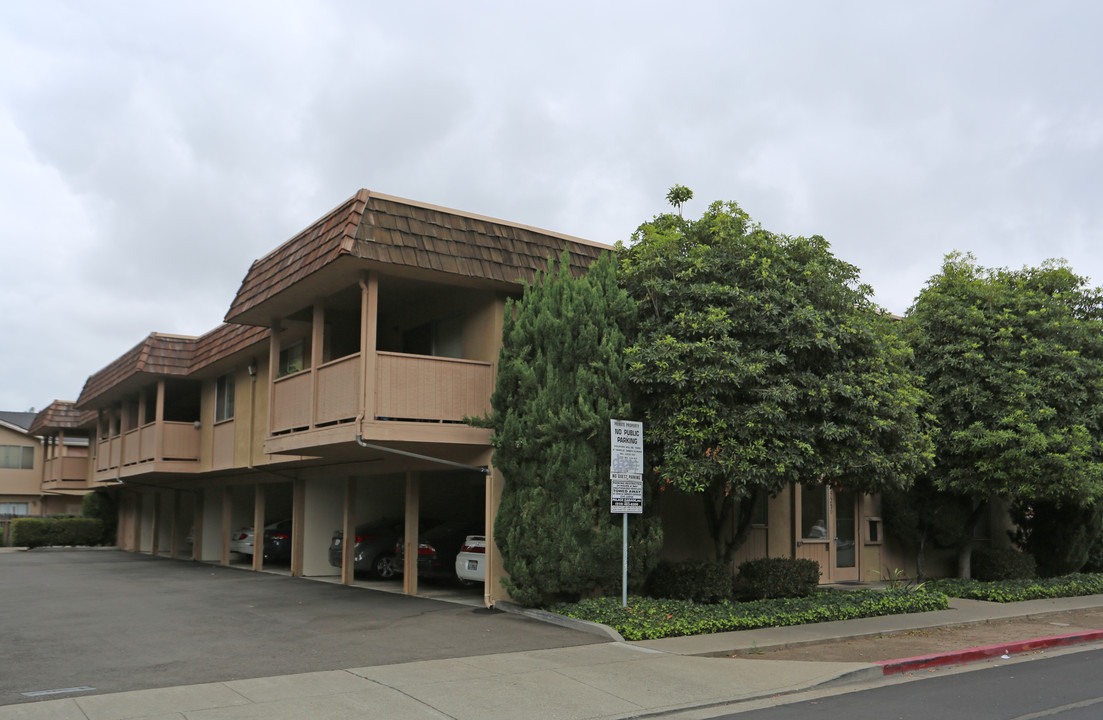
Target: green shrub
[(776, 578), (1072, 585), (703, 582), (40, 532), (1002, 564), (101, 505), (1059, 535), (649, 618)]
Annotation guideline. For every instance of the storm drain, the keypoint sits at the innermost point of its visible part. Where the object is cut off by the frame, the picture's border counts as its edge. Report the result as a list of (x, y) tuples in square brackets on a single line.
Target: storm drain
[(59, 691)]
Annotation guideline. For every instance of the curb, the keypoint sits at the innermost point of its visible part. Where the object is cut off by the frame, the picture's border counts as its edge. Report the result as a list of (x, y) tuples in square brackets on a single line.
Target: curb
[(570, 623), (960, 657)]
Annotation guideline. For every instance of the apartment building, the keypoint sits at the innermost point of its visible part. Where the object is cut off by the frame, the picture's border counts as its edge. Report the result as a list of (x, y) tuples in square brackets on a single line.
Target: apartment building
[(335, 393)]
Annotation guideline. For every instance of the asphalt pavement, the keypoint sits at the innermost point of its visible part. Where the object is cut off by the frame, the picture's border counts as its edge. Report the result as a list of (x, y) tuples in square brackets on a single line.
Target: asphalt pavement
[(576, 674)]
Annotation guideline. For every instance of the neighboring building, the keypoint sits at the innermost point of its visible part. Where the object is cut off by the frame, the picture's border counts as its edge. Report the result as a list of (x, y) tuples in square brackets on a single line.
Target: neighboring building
[(335, 394), (20, 466), (63, 432)]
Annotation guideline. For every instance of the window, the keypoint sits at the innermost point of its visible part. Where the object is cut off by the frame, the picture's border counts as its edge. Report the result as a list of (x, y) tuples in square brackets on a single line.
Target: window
[(813, 512), (10, 508), (224, 398), (291, 359), (16, 457)]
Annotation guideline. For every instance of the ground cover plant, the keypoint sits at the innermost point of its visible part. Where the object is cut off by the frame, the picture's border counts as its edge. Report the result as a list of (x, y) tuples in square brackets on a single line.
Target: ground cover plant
[(650, 618), (1071, 585)]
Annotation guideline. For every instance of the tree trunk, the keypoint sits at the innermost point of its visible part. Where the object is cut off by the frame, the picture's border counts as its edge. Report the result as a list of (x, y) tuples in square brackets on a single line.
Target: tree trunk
[(965, 550), (920, 560), (719, 509)]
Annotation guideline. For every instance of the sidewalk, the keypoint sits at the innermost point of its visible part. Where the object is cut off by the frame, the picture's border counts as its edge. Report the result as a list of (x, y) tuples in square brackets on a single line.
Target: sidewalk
[(609, 680)]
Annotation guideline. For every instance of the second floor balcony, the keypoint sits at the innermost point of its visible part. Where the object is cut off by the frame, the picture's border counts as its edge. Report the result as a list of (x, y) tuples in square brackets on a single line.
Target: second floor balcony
[(402, 388), (65, 473)]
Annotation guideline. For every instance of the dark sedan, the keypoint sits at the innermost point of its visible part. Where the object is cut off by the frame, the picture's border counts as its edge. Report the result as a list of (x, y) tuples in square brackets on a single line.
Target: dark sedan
[(438, 547), (277, 543), (374, 550)]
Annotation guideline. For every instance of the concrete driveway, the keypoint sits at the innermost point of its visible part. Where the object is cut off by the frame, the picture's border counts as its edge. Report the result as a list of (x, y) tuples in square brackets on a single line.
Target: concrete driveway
[(117, 621)]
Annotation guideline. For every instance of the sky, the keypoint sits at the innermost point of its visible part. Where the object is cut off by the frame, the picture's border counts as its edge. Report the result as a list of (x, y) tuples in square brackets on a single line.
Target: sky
[(150, 151)]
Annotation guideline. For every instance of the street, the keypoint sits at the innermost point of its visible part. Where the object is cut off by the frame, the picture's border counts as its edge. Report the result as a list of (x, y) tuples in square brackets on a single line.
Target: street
[(1066, 687)]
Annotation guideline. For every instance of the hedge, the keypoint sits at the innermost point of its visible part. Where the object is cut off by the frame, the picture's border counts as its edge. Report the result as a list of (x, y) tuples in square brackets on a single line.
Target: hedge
[(40, 532), (703, 582), (649, 619), (1025, 589)]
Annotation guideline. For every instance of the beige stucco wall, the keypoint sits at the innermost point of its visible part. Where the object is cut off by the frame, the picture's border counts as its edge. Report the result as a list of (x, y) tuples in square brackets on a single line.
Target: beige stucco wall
[(22, 485)]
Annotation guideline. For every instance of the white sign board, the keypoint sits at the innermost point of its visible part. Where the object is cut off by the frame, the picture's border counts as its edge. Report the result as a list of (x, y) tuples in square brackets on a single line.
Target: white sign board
[(626, 466)]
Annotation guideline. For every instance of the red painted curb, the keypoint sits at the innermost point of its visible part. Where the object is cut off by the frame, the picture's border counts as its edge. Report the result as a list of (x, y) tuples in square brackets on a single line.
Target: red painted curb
[(960, 657)]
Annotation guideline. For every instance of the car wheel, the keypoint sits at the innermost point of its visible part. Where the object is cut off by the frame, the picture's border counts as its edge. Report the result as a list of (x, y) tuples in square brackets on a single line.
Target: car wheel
[(384, 567)]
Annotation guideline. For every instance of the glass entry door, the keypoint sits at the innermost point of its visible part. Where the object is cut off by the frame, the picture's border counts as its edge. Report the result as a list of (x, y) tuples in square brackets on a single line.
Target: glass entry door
[(828, 531), (844, 537)]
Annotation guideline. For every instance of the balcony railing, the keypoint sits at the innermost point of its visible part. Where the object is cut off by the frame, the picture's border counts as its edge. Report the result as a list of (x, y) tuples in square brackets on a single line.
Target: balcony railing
[(338, 390), (66, 469), (435, 389), (291, 401), (179, 442), (416, 388)]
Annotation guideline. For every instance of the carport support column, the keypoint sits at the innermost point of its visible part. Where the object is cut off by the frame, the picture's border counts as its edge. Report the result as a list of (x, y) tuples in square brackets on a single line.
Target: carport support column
[(174, 525), (348, 532), (227, 510), (492, 585), (258, 527), (409, 560), (154, 540), (298, 525)]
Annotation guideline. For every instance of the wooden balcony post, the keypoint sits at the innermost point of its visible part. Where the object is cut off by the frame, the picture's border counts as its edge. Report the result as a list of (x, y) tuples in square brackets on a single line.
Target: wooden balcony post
[(317, 340), (159, 428), (273, 372), (369, 330)]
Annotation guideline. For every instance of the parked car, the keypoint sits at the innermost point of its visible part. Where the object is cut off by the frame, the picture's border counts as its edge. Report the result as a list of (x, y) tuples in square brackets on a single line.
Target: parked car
[(374, 550), (242, 539), (471, 560), (277, 542), (438, 547)]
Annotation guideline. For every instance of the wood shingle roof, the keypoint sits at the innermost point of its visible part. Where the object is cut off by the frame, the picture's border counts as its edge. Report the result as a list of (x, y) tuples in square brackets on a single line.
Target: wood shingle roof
[(396, 231)]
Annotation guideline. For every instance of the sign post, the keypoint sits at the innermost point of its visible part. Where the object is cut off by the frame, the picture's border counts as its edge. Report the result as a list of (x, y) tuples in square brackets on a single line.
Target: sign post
[(626, 477)]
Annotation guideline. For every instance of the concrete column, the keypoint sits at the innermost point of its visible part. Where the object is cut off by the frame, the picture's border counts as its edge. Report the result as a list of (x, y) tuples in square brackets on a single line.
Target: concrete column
[(409, 561)]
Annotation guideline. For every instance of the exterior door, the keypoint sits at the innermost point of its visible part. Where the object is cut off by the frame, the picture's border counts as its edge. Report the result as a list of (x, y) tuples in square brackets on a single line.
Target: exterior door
[(828, 531), (844, 536)]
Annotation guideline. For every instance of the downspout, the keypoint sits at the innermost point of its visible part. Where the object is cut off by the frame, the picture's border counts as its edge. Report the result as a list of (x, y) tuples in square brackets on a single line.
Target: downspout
[(440, 461)]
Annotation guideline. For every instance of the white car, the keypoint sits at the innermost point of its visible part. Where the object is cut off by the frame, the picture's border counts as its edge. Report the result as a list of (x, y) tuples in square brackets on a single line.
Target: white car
[(241, 541), (471, 560)]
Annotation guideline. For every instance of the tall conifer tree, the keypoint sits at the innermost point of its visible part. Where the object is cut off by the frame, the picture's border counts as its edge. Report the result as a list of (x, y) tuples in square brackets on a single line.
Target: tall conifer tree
[(561, 377)]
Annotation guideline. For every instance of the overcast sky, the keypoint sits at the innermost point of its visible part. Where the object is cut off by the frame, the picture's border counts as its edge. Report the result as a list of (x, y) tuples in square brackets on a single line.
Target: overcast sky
[(151, 150)]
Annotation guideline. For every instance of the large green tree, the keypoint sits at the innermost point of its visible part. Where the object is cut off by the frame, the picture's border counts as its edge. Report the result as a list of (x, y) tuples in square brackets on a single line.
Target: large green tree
[(761, 360), (562, 376), (1013, 365)]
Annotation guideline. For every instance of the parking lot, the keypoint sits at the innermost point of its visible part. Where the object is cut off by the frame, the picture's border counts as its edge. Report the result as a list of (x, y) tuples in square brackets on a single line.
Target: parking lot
[(116, 621)]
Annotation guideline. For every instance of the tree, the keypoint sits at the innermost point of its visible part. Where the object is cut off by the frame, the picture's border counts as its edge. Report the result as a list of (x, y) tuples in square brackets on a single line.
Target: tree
[(921, 517), (760, 361), (561, 377), (1059, 535), (1013, 367)]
